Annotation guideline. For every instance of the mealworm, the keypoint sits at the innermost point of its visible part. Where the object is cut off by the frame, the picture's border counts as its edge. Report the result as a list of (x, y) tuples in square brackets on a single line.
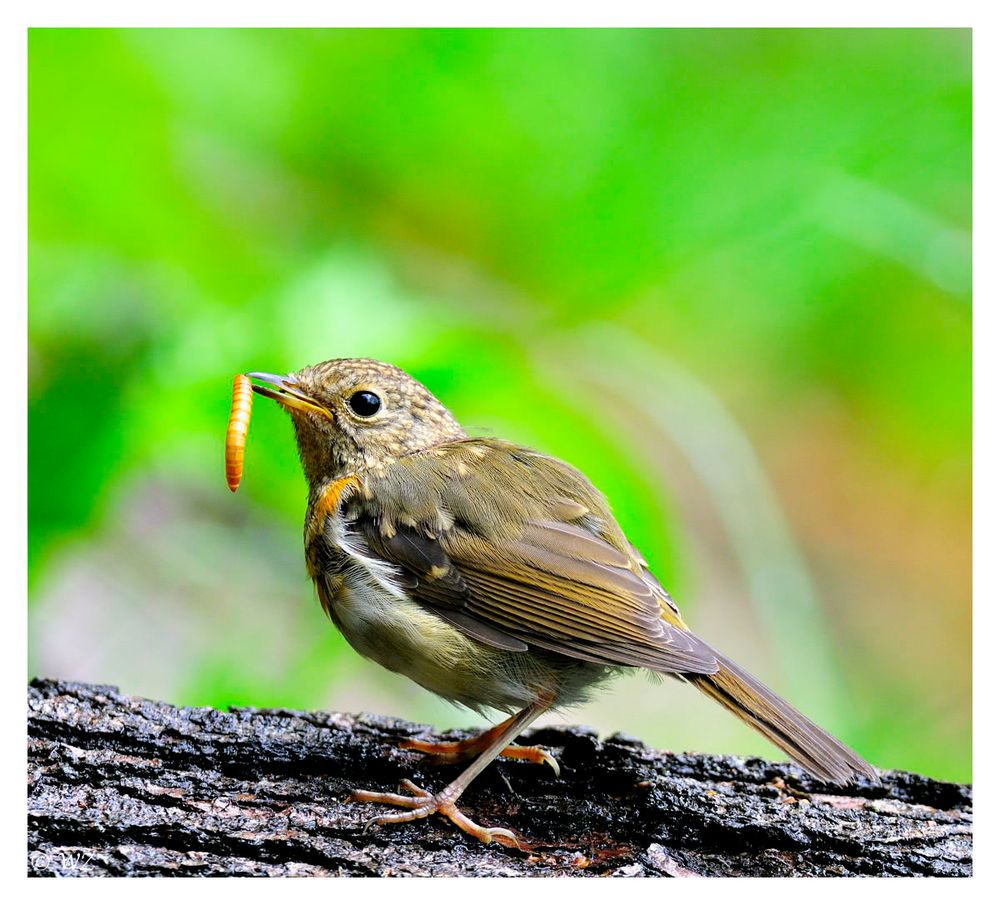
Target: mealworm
[(236, 433)]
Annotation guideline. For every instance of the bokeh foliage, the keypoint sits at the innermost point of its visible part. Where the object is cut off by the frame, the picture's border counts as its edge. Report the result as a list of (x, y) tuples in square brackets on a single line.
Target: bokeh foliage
[(725, 272)]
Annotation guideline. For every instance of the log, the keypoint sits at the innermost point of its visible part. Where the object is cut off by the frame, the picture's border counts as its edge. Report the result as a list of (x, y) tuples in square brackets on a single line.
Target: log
[(123, 786)]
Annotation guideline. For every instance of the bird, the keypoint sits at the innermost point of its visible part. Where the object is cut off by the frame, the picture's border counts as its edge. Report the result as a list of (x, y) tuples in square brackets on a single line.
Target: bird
[(493, 575)]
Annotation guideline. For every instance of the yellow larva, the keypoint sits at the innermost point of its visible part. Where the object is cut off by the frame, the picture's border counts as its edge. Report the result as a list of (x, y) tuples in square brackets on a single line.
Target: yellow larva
[(236, 433)]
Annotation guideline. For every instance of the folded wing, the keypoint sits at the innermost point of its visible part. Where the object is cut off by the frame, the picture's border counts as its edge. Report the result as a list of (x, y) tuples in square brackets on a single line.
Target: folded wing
[(555, 586)]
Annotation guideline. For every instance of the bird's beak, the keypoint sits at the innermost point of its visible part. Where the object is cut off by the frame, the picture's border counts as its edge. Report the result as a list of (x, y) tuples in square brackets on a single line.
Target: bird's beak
[(285, 391)]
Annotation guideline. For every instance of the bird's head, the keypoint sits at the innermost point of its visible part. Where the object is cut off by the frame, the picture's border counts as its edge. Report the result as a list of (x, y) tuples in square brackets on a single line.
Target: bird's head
[(353, 413)]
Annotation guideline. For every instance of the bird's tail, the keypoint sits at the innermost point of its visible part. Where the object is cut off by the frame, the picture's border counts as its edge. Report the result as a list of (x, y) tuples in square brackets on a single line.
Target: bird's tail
[(777, 720)]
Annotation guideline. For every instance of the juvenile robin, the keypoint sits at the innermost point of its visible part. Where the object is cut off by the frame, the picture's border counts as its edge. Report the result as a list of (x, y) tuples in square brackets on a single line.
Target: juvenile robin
[(491, 574)]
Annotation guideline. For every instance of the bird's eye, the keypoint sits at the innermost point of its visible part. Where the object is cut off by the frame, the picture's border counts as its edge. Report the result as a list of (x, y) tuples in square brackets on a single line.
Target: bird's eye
[(364, 403)]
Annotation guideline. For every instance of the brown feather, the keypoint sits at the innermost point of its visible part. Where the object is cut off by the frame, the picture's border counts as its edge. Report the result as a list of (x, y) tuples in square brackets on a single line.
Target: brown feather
[(508, 591), (799, 737)]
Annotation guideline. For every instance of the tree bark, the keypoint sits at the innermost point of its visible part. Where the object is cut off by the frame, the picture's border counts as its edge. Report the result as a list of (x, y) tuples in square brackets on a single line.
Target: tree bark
[(124, 786)]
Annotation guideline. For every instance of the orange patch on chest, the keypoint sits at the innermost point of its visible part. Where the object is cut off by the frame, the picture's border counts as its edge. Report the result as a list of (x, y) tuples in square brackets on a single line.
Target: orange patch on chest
[(328, 504)]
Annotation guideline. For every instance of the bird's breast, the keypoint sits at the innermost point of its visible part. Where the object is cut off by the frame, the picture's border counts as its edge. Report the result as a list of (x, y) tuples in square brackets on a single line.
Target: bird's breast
[(366, 599), (402, 636), (389, 628)]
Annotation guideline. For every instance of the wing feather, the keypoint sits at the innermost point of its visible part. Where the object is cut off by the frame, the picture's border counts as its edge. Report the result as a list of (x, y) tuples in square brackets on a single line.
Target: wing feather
[(550, 588), (518, 549)]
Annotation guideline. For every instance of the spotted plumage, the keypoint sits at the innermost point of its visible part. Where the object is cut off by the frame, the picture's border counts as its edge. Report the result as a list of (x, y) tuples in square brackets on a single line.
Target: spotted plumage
[(489, 573)]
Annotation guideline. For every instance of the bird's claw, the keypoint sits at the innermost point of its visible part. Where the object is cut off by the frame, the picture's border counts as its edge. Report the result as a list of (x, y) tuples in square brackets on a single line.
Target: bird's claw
[(420, 804)]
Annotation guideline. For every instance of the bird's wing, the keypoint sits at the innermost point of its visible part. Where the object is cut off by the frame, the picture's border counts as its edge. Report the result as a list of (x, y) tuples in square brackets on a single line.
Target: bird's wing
[(514, 571)]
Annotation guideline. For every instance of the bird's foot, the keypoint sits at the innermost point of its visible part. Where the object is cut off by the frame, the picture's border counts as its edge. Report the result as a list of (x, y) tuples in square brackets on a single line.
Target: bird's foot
[(420, 804), (455, 752)]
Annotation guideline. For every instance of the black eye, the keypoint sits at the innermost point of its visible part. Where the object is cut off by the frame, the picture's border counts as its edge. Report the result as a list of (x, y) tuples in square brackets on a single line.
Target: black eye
[(364, 403)]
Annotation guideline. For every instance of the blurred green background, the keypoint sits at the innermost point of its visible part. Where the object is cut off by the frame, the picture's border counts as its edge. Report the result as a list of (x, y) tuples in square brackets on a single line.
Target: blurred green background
[(726, 273)]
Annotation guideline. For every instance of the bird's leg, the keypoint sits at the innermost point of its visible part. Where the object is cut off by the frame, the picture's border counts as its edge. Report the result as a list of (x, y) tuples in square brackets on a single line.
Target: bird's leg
[(422, 804), (456, 752)]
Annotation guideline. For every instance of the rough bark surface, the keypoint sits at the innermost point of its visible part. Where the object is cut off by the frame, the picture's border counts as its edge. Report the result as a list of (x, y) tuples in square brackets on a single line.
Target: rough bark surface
[(127, 787)]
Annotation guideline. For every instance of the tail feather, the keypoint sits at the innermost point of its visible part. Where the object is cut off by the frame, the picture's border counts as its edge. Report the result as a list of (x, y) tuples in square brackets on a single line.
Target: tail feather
[(799, 737)]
